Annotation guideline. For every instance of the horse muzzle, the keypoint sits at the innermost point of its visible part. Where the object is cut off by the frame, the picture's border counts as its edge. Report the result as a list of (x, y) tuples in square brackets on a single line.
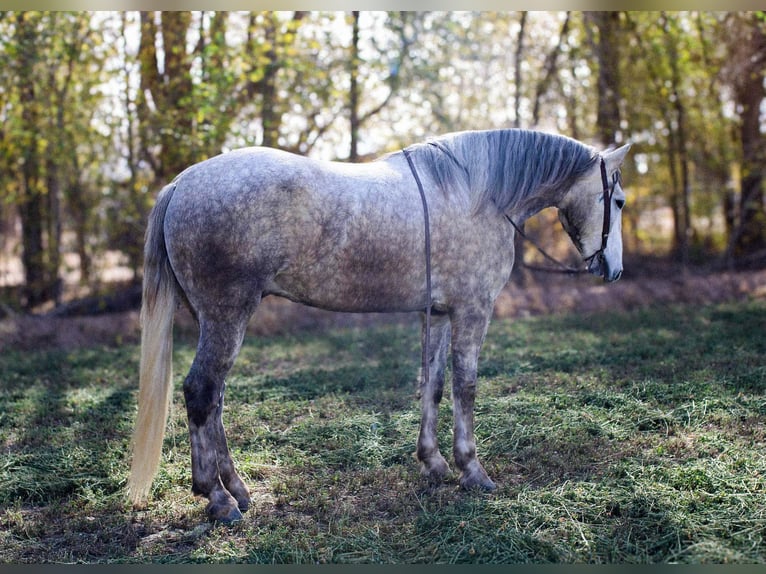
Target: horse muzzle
[(599, 266), (613, 276)]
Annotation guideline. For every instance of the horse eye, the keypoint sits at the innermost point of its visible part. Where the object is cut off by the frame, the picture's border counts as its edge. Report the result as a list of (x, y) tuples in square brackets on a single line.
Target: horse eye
[(620, 203)]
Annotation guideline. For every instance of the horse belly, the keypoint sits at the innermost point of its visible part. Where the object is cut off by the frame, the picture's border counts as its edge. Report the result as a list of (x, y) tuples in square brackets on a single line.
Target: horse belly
[(362, 278)]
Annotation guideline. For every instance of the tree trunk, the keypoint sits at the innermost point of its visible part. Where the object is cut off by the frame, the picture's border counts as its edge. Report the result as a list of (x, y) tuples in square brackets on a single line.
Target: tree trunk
[(550, 70), (607, 50), (517, 71), (271, 118), (149, 90), (353, 154), (176, 136), (750, 94), (682, 200), (32, 205)]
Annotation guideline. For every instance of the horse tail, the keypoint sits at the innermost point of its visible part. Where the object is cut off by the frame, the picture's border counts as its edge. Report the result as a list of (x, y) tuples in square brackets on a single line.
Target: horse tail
[(155, 388)]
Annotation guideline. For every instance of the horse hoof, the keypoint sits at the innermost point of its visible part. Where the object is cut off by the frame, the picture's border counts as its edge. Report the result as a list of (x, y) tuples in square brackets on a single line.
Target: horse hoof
[(225, 514), (484, 485), (477, 480), (238, 489), (243, 504)]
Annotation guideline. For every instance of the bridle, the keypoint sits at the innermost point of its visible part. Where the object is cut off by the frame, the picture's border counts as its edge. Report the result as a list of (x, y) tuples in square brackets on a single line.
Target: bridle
[(608, 194)]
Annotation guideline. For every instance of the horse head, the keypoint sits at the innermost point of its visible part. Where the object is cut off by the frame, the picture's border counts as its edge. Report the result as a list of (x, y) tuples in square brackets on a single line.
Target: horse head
[(591, 214)]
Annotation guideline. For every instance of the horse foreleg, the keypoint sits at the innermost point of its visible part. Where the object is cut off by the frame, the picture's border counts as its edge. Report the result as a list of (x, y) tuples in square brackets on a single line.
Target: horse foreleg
[(468, 331), (432, 463), (213, 474)]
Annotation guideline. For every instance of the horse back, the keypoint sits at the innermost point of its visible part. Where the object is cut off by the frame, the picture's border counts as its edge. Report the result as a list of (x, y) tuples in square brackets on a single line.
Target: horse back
[(328, 234)]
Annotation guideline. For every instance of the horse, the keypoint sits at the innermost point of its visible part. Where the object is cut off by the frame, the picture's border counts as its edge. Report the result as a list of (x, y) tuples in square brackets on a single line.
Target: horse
[(257, 221)]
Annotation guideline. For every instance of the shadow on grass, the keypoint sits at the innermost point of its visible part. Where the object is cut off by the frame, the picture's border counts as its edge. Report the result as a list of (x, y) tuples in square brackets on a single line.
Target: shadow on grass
[(64, 426)]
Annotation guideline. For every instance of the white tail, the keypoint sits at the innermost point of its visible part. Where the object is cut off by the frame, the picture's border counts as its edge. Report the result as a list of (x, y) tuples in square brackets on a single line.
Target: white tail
[(155, 379)]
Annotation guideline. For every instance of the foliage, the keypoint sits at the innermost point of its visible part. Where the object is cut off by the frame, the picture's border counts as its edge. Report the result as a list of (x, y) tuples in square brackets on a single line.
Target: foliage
[(100, 109), (614, 438), (53, 136)]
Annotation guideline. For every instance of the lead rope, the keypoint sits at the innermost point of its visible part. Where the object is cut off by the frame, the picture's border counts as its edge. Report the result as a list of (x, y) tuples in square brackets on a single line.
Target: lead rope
[(425, 359), (564, 268)]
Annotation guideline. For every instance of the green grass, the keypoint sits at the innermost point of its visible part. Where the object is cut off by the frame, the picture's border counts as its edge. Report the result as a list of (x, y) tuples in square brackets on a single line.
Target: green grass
[(625, 438)]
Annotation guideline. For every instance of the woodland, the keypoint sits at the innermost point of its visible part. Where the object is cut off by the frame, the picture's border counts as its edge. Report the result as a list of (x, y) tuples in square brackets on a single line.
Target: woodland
[(99, 109)]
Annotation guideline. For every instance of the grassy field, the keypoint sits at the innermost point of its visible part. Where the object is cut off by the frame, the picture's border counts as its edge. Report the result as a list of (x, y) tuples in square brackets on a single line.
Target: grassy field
[(628, 438)]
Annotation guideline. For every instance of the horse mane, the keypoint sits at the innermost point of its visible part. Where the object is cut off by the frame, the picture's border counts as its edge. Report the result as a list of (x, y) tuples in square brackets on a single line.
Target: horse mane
[(508, 167)]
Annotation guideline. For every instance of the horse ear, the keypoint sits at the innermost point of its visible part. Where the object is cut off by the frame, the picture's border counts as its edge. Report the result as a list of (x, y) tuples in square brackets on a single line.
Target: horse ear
[(614, 158)]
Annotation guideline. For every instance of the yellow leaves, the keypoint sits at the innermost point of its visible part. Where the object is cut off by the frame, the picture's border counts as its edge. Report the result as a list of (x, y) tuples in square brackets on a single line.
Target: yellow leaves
[(42, 144), (255, 75)]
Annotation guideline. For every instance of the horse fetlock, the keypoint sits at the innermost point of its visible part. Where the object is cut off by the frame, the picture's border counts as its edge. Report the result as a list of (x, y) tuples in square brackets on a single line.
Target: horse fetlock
[(434, 467)]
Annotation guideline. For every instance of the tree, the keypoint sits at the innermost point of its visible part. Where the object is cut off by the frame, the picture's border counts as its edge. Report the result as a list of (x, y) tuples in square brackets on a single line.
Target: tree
[(38, 282), (679, 143), (675, 108), (604, 37), (517, 66), (97, 110), (551, 69), (393, 55), (746, 71), (166, 99), (46, 54)]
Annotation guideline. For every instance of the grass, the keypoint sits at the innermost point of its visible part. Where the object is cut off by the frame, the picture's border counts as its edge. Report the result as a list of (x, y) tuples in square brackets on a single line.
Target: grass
[(615, 438)]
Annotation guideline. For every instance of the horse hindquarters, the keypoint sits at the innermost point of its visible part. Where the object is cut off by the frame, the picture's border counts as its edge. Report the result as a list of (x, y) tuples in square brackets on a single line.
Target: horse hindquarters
[(222, 329)]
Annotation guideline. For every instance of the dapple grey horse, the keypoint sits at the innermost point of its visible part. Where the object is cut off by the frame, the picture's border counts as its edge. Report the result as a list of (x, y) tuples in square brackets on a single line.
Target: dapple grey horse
[(349, 237)]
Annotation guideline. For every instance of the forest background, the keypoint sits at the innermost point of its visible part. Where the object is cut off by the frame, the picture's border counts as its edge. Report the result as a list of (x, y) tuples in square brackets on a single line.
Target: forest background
[(99, 109)]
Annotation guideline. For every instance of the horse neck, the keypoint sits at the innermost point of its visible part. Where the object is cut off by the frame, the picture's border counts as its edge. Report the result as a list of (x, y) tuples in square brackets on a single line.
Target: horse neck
[(514, 183), (518, 204), (532, 205)]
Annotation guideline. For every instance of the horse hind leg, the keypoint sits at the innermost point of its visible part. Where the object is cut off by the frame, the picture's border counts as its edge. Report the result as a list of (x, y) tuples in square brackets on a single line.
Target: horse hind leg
[(213, 472), (432, 464)]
